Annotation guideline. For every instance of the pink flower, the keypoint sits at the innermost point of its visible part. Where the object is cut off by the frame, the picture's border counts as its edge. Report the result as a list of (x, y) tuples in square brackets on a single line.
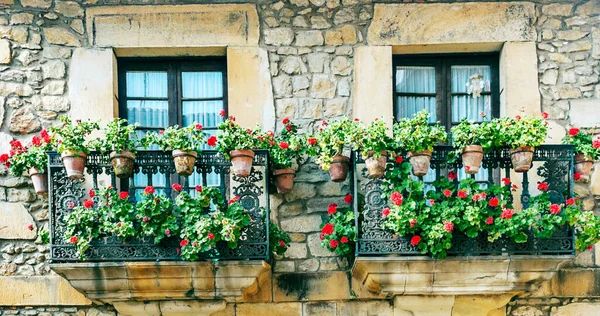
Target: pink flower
[(543, 186), (332, 209), (554, 209), (145, 219), (596, 143), (412, 222), (177, 187), (71, 205), (431, 202), (489, 220), (333, 243), (344, 239), (448, 226), (507, 213), (493, 202), (385, 212), (415, 240), (574, 131), (396, 198), (348, 198), (149, 190), (476, 197), (321, 236), (167, 232)]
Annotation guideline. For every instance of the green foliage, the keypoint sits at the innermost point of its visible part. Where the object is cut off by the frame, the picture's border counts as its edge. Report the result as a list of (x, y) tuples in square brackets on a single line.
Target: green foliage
[(189, 138), (118, 136), (470, 133), (71, 136), (156, 215), (235, 137), (332, 137), (338, 233), (279, 240), (286, 148), (583, 142), (43, 236), (416, 134), (521, 130), (374, 138), (20, 158)]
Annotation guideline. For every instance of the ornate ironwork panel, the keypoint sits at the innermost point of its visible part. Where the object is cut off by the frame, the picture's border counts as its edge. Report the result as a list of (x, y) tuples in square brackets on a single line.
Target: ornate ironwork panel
[(253, 193), (554, 166)]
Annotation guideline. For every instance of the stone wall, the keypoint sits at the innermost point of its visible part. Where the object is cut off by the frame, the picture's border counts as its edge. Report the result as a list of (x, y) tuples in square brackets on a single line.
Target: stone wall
[(58, 311), (311, 45)]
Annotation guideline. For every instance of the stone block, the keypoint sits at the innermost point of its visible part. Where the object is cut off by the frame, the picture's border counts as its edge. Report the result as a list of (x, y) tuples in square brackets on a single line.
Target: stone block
[(337, 106), (286, 107), (583, 112), (17, 34), (24, 121), (309, 38), (301, 191), (61, 36), (341, 65), (279, 36), (365, 308), (290, 209), (313, 286), (301, 224), (589, 8), (69, 9), (319, 309), (41, 4), (323, 86), (587, 308), (15, 219), (557, 9), (5, 52), (596, 43), (310, 109), (518, 78), (50, 290), (373, 83), (271, 309), (316, 250)]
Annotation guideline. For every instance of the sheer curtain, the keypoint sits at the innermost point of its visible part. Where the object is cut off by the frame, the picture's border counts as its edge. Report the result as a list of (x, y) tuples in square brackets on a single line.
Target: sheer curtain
[(415, 83)]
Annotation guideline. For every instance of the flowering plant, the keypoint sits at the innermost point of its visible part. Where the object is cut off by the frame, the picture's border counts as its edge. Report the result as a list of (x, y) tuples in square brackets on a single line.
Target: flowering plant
[(522, 130), (286, 148), (331, 139), (470, 133), (21, 158), (118, 136), (374, 138), (71, 136), (337, 230), (156, 215), (278, 240), (583, 142), (189, 138), (416, 134), (235, 137)]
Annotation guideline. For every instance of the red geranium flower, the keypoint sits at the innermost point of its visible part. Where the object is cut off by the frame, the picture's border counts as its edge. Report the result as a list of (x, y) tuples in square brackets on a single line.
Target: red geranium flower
[(327, 229), (415, 240), (281, 243), (483, 195), (507, 213), (285, 120), (596, 143), (462, 194), (321, 236), (161, 132), (356, 119), (73, 240), (91, 193), (332, 209), (506, 181), (312, 141), (570, 201), (431, 202), (36, 140), (447, 193), (199, 188), (348, 198), (167, 232), (489, 220), (222, 113), (183, 243), (344, 239), (145, 219), (30, 227), (212, 141), (396, 198), (289, 127), (385, 212), (448, 226), (554, 209), (149, 190), (543, 186), (284, 145), (493, 202), (333, 243), (590, 247), (210, 236), (399, 159), (198, 126), (234, 199), (574, 131), (577, 176), (177, 187), (452, 175), (123, 195), (518, 117), (412, 222), (545, 115), (88, 203), (4, 158)]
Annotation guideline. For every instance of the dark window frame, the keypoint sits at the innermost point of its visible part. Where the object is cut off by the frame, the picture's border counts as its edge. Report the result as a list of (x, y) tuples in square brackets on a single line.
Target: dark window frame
[(443, 78), (174, 67)]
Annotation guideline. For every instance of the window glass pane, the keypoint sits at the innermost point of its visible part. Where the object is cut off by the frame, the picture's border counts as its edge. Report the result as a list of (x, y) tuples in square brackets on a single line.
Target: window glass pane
[(147, 84), (148, 113), (461, 75), (471, 108), (413, 79), (202, 84), (203, 112), (407, 106)]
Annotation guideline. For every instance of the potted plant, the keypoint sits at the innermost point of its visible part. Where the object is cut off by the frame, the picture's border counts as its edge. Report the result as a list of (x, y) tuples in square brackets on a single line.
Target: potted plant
[(374, 144), (586, 151), (284, 150), (156, 215), (332, 137), (237, 144), (471, 141), (32, 159), (70, 141), (418, 137), (120, 140), (183, 142), (522, 134)]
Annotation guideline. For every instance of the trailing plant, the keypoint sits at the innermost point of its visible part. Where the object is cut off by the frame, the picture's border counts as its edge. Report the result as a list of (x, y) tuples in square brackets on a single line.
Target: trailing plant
[(374, 139), (416, 134), (285, 149), (583, 142), (190, 138), (21, 158), (156, 215), (521, 130), (234, 137), (338, 233), (332, 137), (279, 240), (118, 136), (43, 236), (71, 136)]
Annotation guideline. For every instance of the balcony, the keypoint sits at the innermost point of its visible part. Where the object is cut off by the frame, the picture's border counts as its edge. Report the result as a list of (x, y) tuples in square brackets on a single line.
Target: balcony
[(386, 265), (121, 272)]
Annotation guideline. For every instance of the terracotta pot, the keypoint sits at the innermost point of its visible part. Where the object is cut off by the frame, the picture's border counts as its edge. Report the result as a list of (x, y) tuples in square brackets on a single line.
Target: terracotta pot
[(338, 169), (284, 179), (472, 156), (74, 164), (521, 158), (39, 180), (184, 161), (583, 166), (376, 166), (241, 160), (122, 163), (420, 162)]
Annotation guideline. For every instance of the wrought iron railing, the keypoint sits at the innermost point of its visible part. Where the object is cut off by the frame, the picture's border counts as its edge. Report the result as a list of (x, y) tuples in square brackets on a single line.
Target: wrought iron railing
[(150, 165), (554, 165)]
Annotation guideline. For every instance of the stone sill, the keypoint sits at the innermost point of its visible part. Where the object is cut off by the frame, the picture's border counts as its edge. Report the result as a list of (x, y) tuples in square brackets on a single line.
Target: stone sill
[(389, 276), (114, 282)]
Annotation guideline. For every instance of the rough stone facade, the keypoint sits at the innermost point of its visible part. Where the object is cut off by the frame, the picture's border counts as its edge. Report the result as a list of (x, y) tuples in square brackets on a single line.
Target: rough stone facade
[(310, 46)]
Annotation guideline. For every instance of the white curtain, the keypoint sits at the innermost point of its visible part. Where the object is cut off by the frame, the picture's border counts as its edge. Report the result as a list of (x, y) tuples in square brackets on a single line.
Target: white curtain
[(415, 80)]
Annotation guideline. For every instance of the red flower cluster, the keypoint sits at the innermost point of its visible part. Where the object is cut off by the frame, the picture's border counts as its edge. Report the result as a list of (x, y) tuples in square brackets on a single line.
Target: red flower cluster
[(285, 120), (36, 141), (234, 199), (44, 135), (91, 193), (312, 141), (198, 126), (333, 243), (149, 190), (123, 195), (212, 141), (577, 176), (177, 187), (327, 229), (574, 131), (489, 220), (184, 243), (284, 145), (210, 236), (447, 193), (332, 209), (412, 222), (30, 227), (222, 113), (596, 143), (462, 194), (493, 202), (545, 115), (281, 243), (415, 240), (348, 198), (88, 203), (452, 175), (73, 240), (543, 186), (505, 181), (344, 240), (507, 213), (199, 188), (399, 159), (477, 197), (385, 212), (396, 198), (167, 232), (570, 201), (554, 209), (448, 226)]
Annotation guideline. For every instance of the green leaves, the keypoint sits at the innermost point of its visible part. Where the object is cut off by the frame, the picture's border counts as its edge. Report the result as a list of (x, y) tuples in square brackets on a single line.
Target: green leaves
[(118, 136), (190, 138), (416, 134), (72, 136)]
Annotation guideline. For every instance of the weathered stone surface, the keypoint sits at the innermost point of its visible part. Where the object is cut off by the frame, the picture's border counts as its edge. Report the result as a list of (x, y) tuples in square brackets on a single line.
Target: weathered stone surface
[(310, 109), (61, 36), (299, 21), (566, 92), (309, 265), (50, 103), (21, 18), (5, 52), (271, 309), (402, 24), (77, 26), (293, 65), (302, 224), (319, 22), (20, 195), (589, 8), (54, 87), (279, 36), (290, 209), (320, 309), (284, 266), (43, 4), (17, 34), (14, 220), (40, 290), (341, 65), (10, 88), (23, 121), (282, 86), (53, 69), (317, 62), (575, 47), (366, 308), (55, 52), (300, 84), (561, 58), (576, 309), (322, 86), (344, 15), (309, 38), (316, 250), (557, 9), (313, 286), (69, 8), (550, 77), (286, 107), (296, 251), (571, 35), (596, 43), (328, 264)]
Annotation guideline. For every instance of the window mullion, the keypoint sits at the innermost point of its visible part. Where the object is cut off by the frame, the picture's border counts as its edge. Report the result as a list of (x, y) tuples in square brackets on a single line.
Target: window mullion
[(172, 94)]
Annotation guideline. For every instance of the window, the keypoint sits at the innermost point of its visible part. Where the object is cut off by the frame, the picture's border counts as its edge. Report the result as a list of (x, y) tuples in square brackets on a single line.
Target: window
[(157, 93), (439, 84)]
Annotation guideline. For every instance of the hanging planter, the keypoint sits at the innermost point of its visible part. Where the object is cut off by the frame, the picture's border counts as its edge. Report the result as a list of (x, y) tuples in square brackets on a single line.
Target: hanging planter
[(376, 165), (338, 169), (39, 178), (74, 163), (521, 158), (420, 162), (241, 161), (472, 156), (184, 161), (122, 163), (284, 179), (583, 166)]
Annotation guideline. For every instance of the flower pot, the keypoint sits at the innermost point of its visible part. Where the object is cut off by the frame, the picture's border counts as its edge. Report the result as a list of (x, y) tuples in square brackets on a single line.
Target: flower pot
[(420, 162), (284, 179), (376, 166), (338, 169), (122, 163), (39, 180), (74, 164), (472, 156), (521, 158), (184, 161), (241, 161), (583, 166)]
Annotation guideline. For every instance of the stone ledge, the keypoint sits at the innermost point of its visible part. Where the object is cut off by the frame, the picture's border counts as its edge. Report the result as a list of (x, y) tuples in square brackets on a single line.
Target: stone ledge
[(49, 290), (147, 281), (388, 276)]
